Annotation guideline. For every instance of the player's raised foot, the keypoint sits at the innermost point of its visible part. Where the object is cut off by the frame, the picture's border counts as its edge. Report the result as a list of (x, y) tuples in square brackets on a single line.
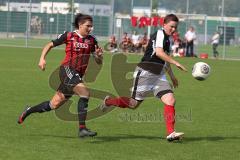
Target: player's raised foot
[(103, 107), (23, 115), (175, 136), (84, 132)]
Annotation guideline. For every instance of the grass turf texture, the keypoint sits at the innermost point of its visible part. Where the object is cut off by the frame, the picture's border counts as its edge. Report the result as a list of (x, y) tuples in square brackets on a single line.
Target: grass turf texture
[(208, 113)]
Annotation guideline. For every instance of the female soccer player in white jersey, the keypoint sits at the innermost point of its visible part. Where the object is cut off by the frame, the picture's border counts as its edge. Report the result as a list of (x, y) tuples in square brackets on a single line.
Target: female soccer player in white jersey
[(150, 76)]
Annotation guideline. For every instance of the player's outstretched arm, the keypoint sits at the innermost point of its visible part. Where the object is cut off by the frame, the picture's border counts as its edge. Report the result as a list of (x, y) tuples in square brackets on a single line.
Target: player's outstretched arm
[(161, 54), (42, 61)]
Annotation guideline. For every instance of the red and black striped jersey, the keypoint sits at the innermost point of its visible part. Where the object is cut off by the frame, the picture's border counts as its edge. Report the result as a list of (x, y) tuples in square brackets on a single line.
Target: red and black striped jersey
[(78, 49)]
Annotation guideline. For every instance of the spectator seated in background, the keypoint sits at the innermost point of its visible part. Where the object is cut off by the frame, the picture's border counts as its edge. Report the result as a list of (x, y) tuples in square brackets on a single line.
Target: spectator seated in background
[(113, 43), (126, 42), (136, 45), (144, 42), (175, 48), (178, 48)]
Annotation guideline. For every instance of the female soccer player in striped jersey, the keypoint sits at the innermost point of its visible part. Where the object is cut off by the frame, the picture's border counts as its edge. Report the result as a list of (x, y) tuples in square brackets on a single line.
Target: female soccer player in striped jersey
[(80, 44)]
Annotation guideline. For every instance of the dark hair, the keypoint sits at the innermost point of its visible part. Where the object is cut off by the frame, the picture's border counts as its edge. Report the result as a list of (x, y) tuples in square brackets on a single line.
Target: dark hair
[(170, 17), (81, 18)]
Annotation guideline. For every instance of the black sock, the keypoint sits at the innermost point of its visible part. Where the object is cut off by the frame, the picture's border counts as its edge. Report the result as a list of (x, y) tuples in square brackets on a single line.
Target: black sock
[(42, 107), (82, 111)]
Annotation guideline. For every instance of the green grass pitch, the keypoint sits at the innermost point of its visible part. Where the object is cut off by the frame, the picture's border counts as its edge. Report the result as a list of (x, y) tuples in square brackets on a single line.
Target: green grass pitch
[(207, 111)]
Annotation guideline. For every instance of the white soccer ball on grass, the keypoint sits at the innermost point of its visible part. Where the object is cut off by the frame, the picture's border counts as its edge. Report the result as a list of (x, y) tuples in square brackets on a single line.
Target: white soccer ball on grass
[(201, 71)]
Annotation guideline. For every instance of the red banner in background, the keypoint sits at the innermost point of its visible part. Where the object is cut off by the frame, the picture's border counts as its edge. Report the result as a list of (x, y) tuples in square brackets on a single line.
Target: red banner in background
[(134, 21), (146, 21)]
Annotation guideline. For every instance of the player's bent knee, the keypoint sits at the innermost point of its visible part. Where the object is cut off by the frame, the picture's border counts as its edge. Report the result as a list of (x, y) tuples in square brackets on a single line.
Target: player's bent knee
[(170, 101), (81, 91), (55, 104)]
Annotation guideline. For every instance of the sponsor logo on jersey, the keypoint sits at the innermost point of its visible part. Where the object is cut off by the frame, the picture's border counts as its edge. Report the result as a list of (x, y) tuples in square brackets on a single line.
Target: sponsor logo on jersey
[(78, 45)]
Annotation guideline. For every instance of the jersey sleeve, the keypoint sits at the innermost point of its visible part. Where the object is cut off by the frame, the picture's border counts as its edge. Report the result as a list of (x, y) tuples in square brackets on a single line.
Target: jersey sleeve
[(60, 39), (159, 39)]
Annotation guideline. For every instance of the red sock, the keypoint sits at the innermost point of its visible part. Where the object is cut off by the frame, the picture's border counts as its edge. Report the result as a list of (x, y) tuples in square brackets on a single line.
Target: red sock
[(122, 102), (82, 126), (169, 116)]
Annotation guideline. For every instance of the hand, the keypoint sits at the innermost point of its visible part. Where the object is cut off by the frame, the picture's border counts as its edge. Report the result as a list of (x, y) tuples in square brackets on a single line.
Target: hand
[(174, 81), (181, 67), (98, 51), (42, 64)]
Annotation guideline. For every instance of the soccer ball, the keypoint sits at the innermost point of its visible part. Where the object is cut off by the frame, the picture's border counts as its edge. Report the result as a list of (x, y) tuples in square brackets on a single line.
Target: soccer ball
[(201, 71)]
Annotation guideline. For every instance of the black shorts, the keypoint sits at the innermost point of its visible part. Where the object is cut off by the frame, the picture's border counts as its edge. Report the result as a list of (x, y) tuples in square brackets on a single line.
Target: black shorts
[(69, 79)]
